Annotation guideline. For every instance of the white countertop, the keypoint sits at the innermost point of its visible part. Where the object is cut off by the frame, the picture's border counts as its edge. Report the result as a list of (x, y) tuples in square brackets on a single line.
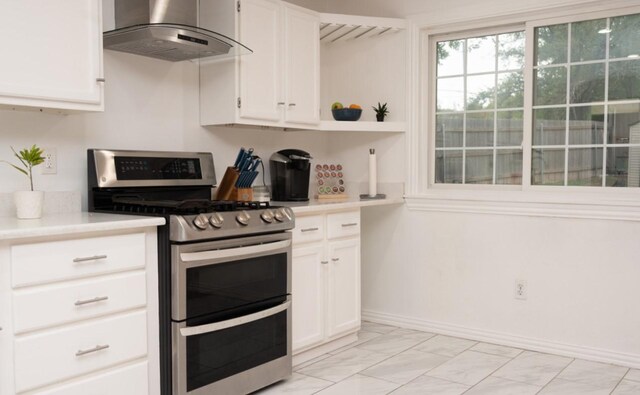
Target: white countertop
[(315, 205), (60, 224)]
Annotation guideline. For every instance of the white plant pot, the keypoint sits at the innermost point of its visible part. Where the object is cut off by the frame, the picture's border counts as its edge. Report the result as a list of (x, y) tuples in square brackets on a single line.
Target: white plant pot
[(28, 204)]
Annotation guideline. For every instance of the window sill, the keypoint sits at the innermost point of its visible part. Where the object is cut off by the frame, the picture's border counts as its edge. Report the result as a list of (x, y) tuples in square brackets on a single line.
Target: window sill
[(529, 204)]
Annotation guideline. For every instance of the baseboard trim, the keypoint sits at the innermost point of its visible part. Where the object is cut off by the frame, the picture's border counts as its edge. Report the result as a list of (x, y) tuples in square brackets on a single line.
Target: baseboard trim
[(541, 345)]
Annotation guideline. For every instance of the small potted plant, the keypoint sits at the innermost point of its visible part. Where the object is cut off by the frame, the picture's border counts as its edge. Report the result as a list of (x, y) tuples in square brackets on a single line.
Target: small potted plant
[(28, 203), (381, 111)]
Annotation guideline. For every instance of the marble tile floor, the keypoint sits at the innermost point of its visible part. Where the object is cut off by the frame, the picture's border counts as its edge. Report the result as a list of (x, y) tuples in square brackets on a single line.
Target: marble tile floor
[(390, 360)]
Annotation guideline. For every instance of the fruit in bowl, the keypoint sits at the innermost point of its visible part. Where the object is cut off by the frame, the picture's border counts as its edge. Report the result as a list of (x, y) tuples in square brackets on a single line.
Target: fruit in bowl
[(351, 113)]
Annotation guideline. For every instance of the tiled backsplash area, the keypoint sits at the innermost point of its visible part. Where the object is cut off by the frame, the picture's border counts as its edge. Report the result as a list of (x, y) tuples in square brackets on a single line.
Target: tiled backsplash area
[(54, 203)]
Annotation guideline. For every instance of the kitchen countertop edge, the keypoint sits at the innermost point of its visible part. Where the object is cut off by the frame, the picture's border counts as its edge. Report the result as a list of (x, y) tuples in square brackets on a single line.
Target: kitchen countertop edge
[(12, 228), (318, 206)]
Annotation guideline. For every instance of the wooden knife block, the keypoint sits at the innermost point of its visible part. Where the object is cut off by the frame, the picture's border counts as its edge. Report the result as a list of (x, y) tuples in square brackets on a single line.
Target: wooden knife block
[(228, 184), (242, 194)]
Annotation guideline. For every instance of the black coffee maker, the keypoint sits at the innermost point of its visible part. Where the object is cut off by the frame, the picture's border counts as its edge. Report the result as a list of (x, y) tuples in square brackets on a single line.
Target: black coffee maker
[(290, 170)]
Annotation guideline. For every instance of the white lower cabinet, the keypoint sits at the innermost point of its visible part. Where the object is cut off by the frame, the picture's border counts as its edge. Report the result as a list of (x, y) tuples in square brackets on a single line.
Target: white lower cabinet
[(325, 279), (77, 314)]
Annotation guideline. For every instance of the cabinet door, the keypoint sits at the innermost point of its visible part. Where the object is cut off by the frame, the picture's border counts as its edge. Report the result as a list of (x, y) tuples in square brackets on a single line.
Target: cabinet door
[(51, 54), (302, 68), (261, 71), (307, 282), (343, 309)]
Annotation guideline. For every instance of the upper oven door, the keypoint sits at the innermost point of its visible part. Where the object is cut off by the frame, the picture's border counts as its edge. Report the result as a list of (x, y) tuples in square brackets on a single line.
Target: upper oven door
[(218, 276)]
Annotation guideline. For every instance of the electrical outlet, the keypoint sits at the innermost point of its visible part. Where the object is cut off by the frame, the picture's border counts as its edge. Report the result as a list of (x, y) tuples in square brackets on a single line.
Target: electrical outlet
[(50, 165), (521, 290)]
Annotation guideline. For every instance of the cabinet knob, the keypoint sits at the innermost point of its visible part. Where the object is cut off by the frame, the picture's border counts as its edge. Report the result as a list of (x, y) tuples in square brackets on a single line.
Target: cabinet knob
[(324, 262), (281, 103), (335, 259), (100, 79), (292, 104)]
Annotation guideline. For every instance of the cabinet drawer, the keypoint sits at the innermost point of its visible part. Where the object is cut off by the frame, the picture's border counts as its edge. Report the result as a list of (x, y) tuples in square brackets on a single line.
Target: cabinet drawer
[(343, 224), (130, 380), (68, 259), (66, 302), (65, 353), (308, 229)]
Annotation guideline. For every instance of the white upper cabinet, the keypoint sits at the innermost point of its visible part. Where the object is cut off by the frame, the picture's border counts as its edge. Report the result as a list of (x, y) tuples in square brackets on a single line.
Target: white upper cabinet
[(276, 85), (302, 65), (51, 54), (261, 72)]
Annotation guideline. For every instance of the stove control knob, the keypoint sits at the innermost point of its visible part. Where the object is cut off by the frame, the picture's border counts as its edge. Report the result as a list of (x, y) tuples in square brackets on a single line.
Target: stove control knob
[(216, 220), (243, 218), (201, 222), (267, 216), (282, 215)]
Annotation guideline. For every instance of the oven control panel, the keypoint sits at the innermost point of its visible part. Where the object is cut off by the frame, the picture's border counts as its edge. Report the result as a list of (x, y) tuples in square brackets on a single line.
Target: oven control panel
[(229, 224)]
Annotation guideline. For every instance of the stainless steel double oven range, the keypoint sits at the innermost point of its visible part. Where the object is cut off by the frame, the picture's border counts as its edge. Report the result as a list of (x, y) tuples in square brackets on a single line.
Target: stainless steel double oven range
[(224, 270)]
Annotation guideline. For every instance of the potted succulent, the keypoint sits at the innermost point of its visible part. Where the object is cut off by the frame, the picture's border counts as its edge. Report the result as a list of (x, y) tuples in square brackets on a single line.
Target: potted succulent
[(28, 203), (381, 111)]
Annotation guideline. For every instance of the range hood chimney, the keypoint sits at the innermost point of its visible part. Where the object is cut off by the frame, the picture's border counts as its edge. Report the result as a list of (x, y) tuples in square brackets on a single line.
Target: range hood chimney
[(167, 30)]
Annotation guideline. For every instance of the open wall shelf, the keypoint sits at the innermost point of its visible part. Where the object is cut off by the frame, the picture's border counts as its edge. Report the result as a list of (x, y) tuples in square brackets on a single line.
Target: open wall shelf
[(337, 27)]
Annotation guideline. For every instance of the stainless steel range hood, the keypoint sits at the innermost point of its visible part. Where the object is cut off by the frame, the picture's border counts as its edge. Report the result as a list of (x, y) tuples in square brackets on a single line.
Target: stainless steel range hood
[(167, 30)]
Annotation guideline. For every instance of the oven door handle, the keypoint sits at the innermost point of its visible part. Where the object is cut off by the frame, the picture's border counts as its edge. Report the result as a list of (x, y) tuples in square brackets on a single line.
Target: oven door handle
[(193, 258), (217, 326)]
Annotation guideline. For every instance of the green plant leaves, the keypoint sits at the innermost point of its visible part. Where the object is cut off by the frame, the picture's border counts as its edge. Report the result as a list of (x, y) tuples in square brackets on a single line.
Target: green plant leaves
[(29, 157)]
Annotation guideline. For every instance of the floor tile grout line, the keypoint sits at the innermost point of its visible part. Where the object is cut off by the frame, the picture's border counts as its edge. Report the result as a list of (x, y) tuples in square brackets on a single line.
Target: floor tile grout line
[(619, 381), (497, 355), (489, 375), (557, 374)]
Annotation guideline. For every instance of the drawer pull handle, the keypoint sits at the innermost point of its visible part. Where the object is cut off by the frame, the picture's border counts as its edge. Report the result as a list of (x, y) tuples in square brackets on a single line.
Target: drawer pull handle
[(92, 350), (100, 79), (89, 301), (335, 259), (324, 262), (309, 229), (89, 258), (350, 224)]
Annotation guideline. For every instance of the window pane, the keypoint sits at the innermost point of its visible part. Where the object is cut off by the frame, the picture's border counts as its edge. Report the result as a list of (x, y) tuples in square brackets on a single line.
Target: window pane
[(450, 56), (587, 83), (623, 167), (511, 51), (624, 39), (624, 80), (479, 167), (586, 125), (510, 92), (481, 54), (550, 86), (450, 94), (481, 92), (479, 129), (508, 166), (449, 130), (547, 166), (551, 44), (549, 126), (585, 167), (449, 167), (586, 42), (510, 126), (623, 125)]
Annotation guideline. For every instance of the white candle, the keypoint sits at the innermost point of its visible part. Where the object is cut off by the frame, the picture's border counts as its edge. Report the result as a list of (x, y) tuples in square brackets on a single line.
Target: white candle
[(373, 176)]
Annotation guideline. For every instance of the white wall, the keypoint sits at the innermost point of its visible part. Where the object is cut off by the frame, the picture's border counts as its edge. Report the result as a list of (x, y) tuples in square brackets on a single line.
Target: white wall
[(455, 273)]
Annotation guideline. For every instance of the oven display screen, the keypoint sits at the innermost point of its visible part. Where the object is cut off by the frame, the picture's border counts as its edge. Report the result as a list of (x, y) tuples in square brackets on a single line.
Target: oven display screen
[(145, 168)]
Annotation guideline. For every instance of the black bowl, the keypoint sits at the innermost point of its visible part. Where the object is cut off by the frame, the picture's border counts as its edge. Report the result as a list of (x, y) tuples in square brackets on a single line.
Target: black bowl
[(347, 114)]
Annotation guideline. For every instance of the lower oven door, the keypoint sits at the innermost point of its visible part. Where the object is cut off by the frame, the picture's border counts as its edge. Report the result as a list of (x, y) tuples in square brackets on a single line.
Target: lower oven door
[(235, 356)]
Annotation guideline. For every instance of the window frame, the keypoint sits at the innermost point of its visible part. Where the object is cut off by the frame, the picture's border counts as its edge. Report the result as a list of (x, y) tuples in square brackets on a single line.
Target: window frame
[(432, 78), (424, 182)]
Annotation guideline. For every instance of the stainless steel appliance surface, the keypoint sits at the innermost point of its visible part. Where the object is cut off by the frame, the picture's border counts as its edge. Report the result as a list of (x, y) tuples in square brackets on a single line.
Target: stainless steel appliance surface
[(168, 30), (224, 270)]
